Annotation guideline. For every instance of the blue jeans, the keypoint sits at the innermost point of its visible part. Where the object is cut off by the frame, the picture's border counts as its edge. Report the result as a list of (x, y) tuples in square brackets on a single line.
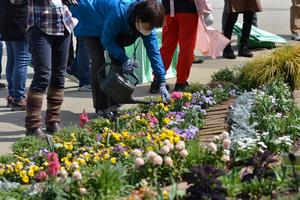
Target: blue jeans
[(81, 64), (18, 59), (49, 59), (1, 53)]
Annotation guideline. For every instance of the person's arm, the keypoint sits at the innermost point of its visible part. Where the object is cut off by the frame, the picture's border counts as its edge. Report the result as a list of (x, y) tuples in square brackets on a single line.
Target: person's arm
[(153, 53), (111, 29)]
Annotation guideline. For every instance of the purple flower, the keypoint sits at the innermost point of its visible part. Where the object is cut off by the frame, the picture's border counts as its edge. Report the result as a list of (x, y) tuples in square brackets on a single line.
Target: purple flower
[(98, 137)]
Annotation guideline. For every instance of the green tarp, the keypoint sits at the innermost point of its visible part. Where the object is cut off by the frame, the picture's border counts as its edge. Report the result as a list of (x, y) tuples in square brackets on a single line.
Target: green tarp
[(259, 38)]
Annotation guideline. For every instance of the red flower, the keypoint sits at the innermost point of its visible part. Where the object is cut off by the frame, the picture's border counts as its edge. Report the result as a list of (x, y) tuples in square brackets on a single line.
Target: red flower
[(41, 176), (53, 164), (83, 119)]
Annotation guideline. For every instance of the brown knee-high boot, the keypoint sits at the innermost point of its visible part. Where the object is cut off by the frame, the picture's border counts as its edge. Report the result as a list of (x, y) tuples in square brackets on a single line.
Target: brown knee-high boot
[(54, 101), (33, 119)]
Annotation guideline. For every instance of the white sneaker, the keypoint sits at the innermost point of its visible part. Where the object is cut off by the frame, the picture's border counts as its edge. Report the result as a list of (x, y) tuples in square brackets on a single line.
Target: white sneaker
[(71, 77), (296, 36), (85, 88)]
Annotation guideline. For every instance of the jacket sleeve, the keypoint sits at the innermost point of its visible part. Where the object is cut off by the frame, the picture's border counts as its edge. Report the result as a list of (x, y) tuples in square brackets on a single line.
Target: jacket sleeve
[(153, 53), (111, 29)]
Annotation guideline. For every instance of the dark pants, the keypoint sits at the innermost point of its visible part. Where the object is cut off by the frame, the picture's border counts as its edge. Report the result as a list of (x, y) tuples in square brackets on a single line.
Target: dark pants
[(49, 59), (231, 20), (96, 52)]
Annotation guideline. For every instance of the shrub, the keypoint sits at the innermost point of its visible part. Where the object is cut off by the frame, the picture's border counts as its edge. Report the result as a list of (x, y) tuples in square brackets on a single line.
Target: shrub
[(28, 146), (282, 63), (224, 75)]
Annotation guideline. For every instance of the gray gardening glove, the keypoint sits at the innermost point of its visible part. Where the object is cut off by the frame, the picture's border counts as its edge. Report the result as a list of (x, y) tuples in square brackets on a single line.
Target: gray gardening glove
[(129, 66), (165, 96), (209, 19)]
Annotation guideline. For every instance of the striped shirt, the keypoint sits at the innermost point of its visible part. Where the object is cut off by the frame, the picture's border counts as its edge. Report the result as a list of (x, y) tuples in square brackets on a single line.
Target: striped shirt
[(51, 20)]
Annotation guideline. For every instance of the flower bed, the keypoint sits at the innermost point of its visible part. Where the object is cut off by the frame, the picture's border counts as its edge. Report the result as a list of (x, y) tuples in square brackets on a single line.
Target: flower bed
[(152, 146)]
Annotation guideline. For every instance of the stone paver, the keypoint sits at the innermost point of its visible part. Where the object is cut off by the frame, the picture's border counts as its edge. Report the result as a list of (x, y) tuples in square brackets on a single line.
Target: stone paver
[(275, 19)]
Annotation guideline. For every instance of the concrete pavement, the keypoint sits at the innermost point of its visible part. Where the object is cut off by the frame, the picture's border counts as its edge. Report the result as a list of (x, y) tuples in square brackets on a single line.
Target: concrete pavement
[(275, 19)]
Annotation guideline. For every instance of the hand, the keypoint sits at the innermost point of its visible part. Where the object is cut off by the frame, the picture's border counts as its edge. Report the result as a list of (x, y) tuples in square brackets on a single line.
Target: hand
[(165, 96), (129, 66), (209, 19)]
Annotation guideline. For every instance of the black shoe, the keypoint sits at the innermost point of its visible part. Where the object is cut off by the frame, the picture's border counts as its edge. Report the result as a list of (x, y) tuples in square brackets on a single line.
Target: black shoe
[(154, 87), (2, 85), (244, 52), (179, 87), (52, 128), (229, 54), (37, 133)]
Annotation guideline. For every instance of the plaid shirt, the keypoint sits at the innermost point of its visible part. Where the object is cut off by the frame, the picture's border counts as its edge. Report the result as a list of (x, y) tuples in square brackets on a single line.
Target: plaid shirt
[(51, 21)]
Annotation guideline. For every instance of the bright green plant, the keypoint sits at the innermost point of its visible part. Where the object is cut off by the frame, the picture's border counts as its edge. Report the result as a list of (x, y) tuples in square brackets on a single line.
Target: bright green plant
[(195, 87), (232, 182), (6, 159)]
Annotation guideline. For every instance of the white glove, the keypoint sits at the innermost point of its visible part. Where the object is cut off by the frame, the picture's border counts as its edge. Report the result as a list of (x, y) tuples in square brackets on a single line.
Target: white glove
[(165, 96), (209, 19), (129, 66)]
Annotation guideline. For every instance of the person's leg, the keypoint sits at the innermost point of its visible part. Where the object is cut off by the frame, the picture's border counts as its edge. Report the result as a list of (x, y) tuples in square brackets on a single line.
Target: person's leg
[(10, 68), (96, 52), (224, 15), (83, 66), (2, 85), (55, 94), (254, 20), (41, 51), (295, 19), (231, 19), (247, 24), (188, 24), (21, 62)]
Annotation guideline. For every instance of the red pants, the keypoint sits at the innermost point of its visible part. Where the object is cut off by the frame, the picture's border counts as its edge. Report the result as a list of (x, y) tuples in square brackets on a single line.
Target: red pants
[(180, 29)]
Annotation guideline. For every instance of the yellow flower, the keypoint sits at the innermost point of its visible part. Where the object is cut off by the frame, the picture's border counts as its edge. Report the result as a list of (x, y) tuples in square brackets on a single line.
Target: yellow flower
[(19, 166), (165, 195), (10, 169), (31, 173), (23, 173), (187, 95), (33, 168), (176, 139), (167, 120), (1, 172), (87, 156), (73, 136), (96, 158), (25, 179), (125, 134), (106, 156), (45, 164), (81, 161), (68, 145), (166, 108), (126, 154), (113, 160)]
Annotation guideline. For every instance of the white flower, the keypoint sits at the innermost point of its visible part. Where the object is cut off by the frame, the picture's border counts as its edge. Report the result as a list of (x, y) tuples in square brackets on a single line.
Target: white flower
[(262, 144), (151, 155), (63, 173), (168, 160), (137, 118), (77, 175), (279, 115), (212, 147), (82, 191), (180, 145), (139, 162), (225, 158), (166, 142), (183, 153), (137, 153), (216, 138), (226, 152), (224, 135), (227, 144), (74, 165), (165, 150), (157, 160), (171, 146)]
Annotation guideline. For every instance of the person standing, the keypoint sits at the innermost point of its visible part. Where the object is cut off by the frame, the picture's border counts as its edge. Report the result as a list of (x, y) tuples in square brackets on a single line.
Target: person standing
[(13, 31), (180, 28), (50, 26), (248, 9), (295, 20)]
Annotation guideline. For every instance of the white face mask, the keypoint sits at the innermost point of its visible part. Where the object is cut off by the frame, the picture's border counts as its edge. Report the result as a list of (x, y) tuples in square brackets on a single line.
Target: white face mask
[(139, 27)]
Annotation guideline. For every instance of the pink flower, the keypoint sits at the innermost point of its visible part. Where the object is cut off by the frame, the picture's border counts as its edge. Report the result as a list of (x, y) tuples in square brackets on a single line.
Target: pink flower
[(183, 153), (83, 119), (139, 162), (168, 161), (154, 120), (227, 144), (186, 104), (53, 164), (157, 160), (176, 95), (165, 150), (41, 176), (180, 145)]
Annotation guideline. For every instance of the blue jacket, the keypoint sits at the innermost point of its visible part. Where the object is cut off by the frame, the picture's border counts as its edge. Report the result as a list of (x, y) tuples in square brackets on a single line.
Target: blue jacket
[(108, 19)]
